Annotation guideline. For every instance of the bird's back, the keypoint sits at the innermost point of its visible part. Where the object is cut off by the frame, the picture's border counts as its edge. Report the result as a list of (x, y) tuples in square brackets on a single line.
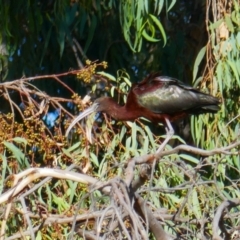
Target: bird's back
[(165, 95)]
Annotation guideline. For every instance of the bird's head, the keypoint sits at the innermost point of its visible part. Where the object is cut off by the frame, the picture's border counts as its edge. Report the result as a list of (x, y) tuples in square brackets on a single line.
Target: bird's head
[(102, 104)]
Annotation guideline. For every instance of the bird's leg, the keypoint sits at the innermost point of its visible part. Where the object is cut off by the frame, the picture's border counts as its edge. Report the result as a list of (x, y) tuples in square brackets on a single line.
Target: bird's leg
[(170, 132)]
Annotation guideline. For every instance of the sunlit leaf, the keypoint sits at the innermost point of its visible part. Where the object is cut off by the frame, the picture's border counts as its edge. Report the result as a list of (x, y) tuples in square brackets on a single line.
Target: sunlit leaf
[(158, 6), (94, 159), (4, 170), (73, 147), (189, 158), (134, 136), (160, 27), (148, 37), (216, 24), (17, 153), (195, 204), (219, 72), (107, 75), (229, 23), (149, 133), (20, 140), (197, 62), (39, 235), (72, 190), (234, 69), (171, 5)]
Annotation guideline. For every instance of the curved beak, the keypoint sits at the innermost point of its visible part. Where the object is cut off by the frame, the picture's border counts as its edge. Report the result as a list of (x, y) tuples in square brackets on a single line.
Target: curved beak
[(82, 115)]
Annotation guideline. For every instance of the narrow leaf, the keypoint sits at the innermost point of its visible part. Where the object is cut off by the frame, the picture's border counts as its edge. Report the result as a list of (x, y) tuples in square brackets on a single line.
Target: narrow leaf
[(17, 153), (94, 159), (148, 37), (160, 27), (171, 5), (107, 75), (198, 61), (189, 158), (20, 140)]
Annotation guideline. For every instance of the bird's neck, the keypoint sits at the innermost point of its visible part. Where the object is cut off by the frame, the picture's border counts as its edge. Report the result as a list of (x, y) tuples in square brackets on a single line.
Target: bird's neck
[(120, 113)]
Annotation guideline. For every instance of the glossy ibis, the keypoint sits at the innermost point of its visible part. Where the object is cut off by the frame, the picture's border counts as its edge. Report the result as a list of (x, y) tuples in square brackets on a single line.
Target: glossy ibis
[(157, 98)]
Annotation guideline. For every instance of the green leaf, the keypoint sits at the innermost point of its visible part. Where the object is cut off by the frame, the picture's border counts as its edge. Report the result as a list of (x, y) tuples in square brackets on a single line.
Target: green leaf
[(94, 87), (198, 61), (46, 41), (171, 5), (198, 80), (227, 83), (222, 170), (91, 32), (128, 143), (215, 25), (114, 142), (17, 153), (67, 153), (122, 133), (195, 204), (82, 23), (140, 10), (112, 91), (160, 27), (235, 17), (127, 81), (72, 190), (134, 136), (41, 194), (140, 44), (73, 147), (192, 125), (189, 158), (148, 37), (71, 14), (158, 6), (219, 71), (236, 162), (62, 205), (229, 23), (61, 37), (146, 145), (4, 169), (150, 136), (20, 140), (39, 235), (234, 69), (94, 159), (107, 75), (146, 2)]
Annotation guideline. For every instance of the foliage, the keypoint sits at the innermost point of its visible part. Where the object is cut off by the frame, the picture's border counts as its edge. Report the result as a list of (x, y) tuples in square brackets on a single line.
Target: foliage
[(222, 78), (181, 183), (52, 37), (129, 188)]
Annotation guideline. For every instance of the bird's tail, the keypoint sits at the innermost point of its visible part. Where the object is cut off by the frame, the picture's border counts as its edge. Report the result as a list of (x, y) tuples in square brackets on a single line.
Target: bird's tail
[(209, 103)]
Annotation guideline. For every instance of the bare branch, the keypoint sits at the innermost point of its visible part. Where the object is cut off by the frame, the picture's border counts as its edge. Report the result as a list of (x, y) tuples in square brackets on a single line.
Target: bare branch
[(219, 215)]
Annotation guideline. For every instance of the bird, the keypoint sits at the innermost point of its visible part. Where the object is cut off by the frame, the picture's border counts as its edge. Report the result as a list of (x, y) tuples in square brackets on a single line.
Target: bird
[(158, 99)]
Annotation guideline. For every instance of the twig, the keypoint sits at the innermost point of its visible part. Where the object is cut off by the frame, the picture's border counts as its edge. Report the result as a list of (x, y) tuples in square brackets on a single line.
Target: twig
[(154, 225), (26, 215), (219, 214), (32, 174), (187, 148)]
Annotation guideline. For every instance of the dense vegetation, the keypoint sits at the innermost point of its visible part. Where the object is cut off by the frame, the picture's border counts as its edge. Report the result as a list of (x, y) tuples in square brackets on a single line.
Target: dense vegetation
[(112, 179)]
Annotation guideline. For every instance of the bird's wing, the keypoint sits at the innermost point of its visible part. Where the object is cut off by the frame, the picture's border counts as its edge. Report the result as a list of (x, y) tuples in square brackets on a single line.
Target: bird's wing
[(168, 95), (170, 100)]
